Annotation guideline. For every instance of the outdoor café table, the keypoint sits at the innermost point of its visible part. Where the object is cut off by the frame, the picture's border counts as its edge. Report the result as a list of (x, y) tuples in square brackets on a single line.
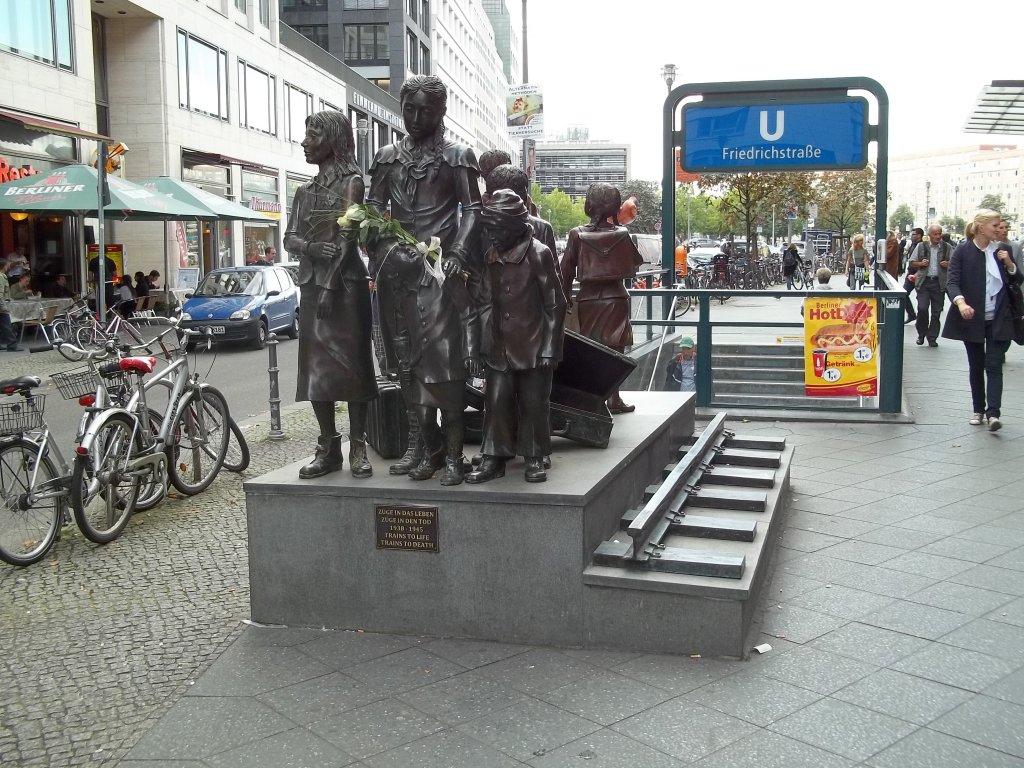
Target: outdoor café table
[(35, 309)]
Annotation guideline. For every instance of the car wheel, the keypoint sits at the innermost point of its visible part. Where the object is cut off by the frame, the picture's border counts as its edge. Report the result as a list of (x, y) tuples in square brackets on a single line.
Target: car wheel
[(261, 335), (293, 329)]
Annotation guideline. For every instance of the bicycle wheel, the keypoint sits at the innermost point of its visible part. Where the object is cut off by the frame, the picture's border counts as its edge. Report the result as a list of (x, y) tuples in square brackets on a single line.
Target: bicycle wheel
[(153, 487), (237, 457), (103, 494), (199, 441), (88, 337), (26, 532)]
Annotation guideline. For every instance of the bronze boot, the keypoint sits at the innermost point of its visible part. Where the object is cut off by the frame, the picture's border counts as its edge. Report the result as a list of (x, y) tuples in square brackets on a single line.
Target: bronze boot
[(428, 466), (327, 458), (413, 453), (358, 462)]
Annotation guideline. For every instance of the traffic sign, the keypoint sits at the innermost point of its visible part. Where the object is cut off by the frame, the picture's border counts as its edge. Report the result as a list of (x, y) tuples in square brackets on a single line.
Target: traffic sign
[(774, 136)]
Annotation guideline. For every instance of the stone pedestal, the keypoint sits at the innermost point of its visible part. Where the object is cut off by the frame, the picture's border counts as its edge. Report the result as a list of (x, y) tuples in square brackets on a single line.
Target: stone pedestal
[(510, 557)]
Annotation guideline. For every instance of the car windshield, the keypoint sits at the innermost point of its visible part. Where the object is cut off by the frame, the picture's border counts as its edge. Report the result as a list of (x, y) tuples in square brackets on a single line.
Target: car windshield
[(235, 283)]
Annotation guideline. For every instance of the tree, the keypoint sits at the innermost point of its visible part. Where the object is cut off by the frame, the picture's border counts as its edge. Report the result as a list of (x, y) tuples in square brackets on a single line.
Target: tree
[(953, 224), (845, 199), (995, 203), (648, 205), (558, 209), (749, 196), (701, 210), (901, 219)]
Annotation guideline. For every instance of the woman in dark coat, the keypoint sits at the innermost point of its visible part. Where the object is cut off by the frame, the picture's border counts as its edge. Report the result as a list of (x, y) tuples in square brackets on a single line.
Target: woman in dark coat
[(335, 354), (979, 271), (790, 261)]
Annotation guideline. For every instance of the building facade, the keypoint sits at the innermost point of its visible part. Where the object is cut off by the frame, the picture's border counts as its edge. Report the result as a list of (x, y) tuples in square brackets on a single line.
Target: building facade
[(572, 166), (953, 182), (213, 92)]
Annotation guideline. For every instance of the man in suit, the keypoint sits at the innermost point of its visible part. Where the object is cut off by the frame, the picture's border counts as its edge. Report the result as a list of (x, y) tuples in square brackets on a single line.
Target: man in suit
[(931, 260), (521, 340)]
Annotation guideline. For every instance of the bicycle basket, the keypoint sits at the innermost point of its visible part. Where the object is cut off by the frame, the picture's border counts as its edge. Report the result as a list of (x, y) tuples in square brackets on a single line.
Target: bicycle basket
[(22, 416), (75, 383)]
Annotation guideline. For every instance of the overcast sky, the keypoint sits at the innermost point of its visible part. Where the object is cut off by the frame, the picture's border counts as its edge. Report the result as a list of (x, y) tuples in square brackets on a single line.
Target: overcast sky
[(599, 62)]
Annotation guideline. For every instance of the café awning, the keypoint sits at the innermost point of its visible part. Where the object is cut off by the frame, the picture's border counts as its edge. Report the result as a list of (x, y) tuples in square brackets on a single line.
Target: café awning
[(48, 126), (999, 109)]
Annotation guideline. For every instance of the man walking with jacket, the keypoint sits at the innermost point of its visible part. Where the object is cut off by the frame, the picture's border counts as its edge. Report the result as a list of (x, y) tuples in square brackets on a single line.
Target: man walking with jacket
[(931, 259)]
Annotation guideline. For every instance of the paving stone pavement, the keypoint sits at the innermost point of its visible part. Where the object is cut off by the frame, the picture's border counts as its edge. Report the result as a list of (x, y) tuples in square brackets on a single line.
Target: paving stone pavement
[(894, 614)]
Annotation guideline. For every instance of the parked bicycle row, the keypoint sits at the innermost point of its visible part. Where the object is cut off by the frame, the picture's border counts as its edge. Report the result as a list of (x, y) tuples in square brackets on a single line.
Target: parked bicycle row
[(143, 429)]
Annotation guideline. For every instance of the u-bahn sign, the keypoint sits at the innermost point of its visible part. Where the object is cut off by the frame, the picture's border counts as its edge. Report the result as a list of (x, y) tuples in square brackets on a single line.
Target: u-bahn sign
[(775, 136)]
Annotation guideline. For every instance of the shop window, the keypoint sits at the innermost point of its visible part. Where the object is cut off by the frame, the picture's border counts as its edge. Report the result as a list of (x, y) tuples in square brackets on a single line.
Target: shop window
[(299, 106), (39, 30), (366, 42), (257, 99), (260, 236), (365, 5), (202, 77)]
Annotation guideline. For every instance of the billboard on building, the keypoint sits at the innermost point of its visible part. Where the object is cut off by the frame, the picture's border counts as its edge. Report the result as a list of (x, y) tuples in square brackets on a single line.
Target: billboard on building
[(524, 109)]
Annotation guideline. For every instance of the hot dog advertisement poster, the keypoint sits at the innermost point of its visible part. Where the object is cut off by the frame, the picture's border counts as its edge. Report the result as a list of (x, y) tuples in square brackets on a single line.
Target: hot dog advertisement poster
[(840, 347)]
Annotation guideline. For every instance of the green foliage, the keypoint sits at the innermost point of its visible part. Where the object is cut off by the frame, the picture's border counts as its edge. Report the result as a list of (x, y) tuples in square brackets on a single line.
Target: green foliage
[(558, 209), (748, 197), (845, 199), (995, 203), (953, 224), (901, 219), (648, 205), (704, 214)]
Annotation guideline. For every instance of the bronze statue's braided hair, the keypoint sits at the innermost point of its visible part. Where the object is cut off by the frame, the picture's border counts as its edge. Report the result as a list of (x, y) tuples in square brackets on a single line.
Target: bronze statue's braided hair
[(435, 88)]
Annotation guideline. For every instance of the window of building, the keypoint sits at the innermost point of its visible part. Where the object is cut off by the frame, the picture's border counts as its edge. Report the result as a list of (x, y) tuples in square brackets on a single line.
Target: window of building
[(260, 188), (381, 139), (39, 30), (424, 60), (257, 99), (202, 76), (412, 49), (425, 16), (240, 5), (384, 83), (210, 239), (326, 105), (299, 106), (315, 33), (366, 41), (365, 5), (265, 13), (412, 6)]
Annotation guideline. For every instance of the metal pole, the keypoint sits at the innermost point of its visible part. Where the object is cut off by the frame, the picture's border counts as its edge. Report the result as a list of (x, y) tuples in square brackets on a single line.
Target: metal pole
[(101, 256), (275, 397)]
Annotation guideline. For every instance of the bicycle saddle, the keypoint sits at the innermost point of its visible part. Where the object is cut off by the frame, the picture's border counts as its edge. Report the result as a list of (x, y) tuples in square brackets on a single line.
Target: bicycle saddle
[(137, 364), (19, 384)]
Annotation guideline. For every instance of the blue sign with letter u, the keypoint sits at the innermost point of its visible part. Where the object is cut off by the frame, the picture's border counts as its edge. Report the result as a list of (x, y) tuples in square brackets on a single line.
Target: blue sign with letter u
[(775, 137)]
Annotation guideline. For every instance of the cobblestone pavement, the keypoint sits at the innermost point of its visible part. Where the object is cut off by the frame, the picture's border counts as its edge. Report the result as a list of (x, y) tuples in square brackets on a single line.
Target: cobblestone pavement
[(98, 641)]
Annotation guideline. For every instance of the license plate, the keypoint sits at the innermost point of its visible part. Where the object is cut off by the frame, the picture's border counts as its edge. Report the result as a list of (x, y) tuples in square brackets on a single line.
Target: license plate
[(215, 329)]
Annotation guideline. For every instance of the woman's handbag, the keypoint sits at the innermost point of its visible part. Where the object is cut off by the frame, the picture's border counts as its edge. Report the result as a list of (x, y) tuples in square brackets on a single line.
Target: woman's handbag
[(1015, 297)]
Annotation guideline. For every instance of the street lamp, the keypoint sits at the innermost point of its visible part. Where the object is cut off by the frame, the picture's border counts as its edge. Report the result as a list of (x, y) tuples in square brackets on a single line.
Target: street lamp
[(956, 203), (927, 198), (668, 74)]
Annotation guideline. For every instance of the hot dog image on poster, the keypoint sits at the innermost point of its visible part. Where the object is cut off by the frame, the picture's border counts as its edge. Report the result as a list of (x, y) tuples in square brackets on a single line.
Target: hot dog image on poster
[(840, 347)]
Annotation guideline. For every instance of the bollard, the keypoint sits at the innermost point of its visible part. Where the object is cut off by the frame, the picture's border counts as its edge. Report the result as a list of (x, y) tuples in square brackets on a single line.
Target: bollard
[(275, 393)]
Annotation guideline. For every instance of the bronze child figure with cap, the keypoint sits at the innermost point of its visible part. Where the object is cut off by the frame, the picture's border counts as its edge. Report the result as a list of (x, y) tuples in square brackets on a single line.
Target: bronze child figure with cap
[(523, 315)]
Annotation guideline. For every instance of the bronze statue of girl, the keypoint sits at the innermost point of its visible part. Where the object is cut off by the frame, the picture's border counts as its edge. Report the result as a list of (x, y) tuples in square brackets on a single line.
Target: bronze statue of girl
[(335, 353)]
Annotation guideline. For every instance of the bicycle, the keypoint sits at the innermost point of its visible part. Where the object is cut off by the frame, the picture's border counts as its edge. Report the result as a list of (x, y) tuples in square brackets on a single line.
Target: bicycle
[(90, 334), (35, 478), (188, 448)]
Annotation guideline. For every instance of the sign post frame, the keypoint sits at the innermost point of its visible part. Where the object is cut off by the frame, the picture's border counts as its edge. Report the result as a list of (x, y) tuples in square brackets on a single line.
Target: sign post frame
[(756, 92)]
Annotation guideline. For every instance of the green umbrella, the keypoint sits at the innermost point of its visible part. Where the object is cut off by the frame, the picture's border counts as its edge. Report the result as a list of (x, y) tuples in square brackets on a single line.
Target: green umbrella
[(216, 206), (72, 189)]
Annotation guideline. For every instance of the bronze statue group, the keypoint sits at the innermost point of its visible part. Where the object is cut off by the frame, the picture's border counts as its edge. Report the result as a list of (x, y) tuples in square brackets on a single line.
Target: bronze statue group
[(495, 305)]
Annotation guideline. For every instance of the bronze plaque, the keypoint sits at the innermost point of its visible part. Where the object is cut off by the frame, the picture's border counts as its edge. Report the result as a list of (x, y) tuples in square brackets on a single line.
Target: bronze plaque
[(408, 527)]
